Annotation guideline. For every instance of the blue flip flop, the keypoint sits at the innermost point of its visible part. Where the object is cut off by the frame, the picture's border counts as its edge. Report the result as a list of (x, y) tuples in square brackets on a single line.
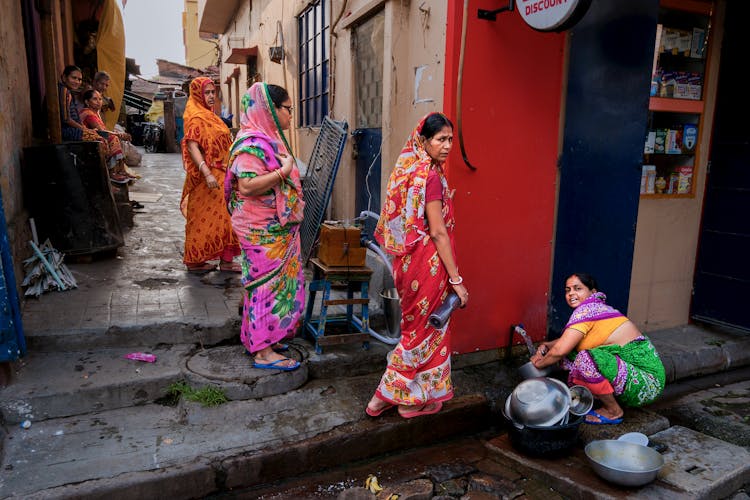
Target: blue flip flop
[(274, 365), (602, 419), (281, 348)]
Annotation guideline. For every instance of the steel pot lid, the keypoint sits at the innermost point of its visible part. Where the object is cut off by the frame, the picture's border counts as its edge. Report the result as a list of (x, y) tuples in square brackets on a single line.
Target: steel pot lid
[(540, 401)]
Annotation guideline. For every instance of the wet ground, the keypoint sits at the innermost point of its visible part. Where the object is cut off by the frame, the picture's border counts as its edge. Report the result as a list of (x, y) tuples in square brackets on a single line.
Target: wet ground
[(466, 468)]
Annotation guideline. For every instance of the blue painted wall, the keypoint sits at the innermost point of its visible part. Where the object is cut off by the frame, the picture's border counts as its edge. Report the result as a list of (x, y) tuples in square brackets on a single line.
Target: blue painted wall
[(611, 55)]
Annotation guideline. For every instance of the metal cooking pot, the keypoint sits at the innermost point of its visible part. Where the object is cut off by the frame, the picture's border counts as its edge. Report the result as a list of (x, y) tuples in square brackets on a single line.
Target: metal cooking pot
[(543, 441), (624, 463)]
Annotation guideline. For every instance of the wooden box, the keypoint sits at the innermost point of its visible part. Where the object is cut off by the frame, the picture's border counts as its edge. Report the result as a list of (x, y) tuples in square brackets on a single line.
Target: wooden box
[(340, 246)]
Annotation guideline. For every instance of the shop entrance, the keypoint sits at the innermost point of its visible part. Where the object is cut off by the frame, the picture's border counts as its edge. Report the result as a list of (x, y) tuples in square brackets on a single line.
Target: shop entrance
[(722, 276)]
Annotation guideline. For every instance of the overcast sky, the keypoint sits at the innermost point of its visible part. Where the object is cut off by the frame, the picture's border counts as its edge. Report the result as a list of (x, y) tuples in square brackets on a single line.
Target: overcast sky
[(153, 30)]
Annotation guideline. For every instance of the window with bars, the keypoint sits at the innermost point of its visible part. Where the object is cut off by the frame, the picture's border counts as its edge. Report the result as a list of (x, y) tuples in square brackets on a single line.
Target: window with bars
[(313, 25)]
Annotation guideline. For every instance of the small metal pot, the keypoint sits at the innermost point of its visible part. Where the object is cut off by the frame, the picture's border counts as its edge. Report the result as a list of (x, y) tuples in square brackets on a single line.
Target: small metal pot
[(528, 370), (624, 463)]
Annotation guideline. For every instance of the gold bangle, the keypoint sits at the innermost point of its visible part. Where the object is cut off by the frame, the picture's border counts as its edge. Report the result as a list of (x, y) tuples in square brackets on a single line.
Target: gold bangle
[(281, 176)]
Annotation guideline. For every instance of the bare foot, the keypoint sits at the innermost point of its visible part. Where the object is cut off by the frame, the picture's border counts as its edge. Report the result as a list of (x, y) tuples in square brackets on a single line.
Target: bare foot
[(607, 416), (271, 358), (376, 406), (416, 411)]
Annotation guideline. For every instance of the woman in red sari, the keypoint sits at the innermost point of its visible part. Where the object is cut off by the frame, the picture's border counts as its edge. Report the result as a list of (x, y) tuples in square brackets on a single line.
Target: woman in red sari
[(416, 226), (205, 151), (91, 118)]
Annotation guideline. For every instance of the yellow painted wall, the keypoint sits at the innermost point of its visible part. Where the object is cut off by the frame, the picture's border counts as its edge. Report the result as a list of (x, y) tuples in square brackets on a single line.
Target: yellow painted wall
[(199, 53)]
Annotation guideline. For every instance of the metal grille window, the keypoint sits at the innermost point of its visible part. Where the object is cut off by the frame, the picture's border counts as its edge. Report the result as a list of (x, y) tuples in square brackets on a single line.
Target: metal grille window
[(313, 25)]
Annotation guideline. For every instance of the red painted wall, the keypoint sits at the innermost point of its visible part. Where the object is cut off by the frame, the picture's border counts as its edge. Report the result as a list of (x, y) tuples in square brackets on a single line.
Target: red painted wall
[(512, 91)]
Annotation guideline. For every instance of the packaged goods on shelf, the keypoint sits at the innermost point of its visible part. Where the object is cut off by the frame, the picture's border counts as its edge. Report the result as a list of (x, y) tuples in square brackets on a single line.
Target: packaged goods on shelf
[(698, 45), (650, 142), (668, 82), (648, 178), (684, 179), (672, 185), (689, 137), (676, 41), (660, 140), (687, 86), (673, 144)]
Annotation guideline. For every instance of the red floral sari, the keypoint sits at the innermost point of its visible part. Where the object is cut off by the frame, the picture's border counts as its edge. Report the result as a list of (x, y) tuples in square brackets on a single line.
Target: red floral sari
[(419, 367)]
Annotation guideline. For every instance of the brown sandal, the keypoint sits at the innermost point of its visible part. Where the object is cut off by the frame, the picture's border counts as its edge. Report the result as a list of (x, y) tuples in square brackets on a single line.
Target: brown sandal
[(232, 267), (201, 268)]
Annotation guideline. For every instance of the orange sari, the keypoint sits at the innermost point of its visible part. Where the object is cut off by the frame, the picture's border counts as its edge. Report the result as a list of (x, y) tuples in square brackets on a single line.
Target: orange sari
[(208, 227)]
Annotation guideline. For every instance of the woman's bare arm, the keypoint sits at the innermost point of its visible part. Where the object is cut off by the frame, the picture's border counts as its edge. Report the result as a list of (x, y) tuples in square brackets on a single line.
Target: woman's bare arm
[(557, 350), (439, 236)]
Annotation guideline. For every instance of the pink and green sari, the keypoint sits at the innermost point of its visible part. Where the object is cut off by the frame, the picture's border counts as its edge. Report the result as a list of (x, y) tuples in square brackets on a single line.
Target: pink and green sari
[(267, 226), (633, 372)]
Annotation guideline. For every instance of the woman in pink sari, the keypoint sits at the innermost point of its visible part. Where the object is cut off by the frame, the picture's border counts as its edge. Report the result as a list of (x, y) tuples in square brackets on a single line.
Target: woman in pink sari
[(416, 226), (263, 191)]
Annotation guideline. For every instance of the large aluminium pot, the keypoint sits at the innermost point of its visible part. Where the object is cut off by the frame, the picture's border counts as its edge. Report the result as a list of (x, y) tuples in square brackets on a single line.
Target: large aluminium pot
[(543, 441), (624, 463)]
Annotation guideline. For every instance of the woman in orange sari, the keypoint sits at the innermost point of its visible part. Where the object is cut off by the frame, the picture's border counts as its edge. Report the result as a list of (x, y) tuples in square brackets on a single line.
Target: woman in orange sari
[(205, 149), (416, 226)]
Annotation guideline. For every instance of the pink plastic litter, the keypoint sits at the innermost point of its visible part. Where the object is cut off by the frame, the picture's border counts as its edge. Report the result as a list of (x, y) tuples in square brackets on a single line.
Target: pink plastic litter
[(141, 356)]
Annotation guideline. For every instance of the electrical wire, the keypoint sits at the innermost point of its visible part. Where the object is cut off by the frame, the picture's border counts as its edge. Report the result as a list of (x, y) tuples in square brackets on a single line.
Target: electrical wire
[(459, 101)]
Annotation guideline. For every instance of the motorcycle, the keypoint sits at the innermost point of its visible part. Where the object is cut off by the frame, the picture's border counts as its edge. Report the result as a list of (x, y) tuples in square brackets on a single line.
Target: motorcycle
[(153, 137)]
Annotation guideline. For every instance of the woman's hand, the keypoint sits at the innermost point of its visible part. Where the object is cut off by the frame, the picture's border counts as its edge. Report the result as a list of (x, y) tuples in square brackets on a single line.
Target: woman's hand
[(287, 163), (462, 293), (211, 181), (537, 357)]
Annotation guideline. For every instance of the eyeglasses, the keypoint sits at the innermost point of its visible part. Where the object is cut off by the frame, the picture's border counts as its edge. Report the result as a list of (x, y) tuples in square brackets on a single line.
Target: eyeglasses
[(288, 108)]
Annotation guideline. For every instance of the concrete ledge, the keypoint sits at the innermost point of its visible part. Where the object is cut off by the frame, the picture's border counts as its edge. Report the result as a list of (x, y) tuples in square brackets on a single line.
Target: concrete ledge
[(696, 466), (193, 480), (230, 369), (147, 334), (691, 351), (356, 441), (74, 383)]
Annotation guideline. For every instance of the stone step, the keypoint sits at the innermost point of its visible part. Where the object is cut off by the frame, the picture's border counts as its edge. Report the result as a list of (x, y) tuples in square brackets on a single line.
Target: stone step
[(209, 321), (52, 385), (695, 466), (191, 451)]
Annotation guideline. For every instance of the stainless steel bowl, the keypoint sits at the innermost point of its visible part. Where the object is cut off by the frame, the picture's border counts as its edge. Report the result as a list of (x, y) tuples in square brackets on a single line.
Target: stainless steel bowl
[(540, 401), (624, 463), (581, 400)]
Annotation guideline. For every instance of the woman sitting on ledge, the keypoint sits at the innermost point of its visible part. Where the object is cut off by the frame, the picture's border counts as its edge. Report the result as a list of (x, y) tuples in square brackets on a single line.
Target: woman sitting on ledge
[(72, 129), (605, 352), (91, 118)]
